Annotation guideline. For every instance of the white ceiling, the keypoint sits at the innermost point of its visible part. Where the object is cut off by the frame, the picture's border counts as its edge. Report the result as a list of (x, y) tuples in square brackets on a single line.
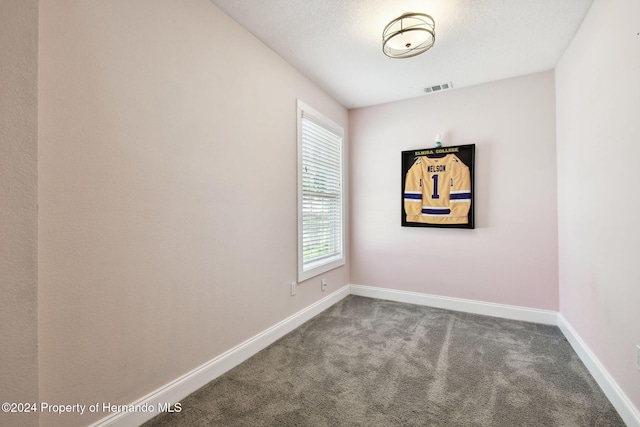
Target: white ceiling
[(337, 43)]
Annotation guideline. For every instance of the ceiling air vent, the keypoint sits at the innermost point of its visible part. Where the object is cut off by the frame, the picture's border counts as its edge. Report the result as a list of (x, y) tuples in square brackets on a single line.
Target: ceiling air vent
[(437, 88)]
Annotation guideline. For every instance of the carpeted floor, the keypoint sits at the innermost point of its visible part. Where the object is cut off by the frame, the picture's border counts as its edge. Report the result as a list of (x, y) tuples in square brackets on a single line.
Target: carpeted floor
[(368, 362)]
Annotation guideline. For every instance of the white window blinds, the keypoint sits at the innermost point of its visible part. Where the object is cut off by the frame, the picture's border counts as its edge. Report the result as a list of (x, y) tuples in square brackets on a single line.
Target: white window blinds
[(321, 197)]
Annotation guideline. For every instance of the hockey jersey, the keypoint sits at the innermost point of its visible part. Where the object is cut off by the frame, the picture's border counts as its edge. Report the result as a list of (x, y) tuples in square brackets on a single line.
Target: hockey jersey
[(438, 191)]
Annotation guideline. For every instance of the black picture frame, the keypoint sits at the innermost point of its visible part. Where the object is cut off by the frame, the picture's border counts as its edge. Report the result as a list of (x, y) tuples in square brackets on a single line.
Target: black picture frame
[(437, 210)]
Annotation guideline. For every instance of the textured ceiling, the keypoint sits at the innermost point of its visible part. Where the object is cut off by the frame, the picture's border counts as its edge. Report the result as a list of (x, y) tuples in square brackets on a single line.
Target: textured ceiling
[(337, 43)]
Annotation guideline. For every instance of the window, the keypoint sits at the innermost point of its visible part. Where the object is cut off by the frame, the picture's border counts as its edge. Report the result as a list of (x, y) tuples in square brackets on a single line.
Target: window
[(320, 194)]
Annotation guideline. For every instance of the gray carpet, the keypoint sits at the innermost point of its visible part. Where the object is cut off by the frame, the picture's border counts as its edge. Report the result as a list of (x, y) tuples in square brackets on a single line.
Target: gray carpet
[(368, 362)]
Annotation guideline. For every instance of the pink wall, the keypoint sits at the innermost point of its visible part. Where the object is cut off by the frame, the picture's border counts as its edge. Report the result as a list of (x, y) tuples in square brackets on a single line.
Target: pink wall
[(598, 132), (167, 194), (511, 257)]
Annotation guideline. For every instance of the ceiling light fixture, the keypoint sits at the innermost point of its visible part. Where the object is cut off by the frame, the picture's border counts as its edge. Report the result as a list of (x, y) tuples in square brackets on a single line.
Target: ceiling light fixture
[(408, 35)]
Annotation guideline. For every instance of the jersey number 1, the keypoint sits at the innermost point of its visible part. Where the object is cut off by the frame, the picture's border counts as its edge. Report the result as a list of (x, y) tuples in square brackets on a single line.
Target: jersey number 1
[(435, 194)]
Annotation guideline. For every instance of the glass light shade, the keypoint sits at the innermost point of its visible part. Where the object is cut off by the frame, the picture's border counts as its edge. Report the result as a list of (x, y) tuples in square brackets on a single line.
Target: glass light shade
[(408, 35)]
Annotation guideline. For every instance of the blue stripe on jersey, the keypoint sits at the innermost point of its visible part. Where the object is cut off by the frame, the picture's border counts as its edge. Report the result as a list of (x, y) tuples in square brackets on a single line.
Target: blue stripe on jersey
[(413, 196), (460, 196), (436, 211)]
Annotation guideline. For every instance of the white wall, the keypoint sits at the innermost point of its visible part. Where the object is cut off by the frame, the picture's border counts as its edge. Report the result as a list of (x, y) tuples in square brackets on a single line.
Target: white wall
[(511, 256), (598, 132), (18, 207), (167, 194)]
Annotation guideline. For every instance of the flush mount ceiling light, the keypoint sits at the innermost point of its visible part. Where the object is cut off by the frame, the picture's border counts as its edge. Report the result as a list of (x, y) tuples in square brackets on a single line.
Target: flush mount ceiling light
[(408, 35)]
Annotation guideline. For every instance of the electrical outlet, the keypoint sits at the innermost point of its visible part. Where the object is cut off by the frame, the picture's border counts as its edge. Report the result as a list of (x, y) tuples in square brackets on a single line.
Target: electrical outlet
[(294, 285), (323, 285), (638, 356)]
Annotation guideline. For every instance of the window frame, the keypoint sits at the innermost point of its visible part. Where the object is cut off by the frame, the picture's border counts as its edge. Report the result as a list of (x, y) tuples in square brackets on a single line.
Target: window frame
[(313, 269)]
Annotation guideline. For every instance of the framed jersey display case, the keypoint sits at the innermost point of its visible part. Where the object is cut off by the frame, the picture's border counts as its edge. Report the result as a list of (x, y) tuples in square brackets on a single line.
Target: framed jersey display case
[(437, 187)]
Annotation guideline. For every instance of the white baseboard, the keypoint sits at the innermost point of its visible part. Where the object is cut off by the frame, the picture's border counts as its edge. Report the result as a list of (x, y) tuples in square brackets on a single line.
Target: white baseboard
[(192, 381), (628, 412), (197, 378), (546, 317)]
